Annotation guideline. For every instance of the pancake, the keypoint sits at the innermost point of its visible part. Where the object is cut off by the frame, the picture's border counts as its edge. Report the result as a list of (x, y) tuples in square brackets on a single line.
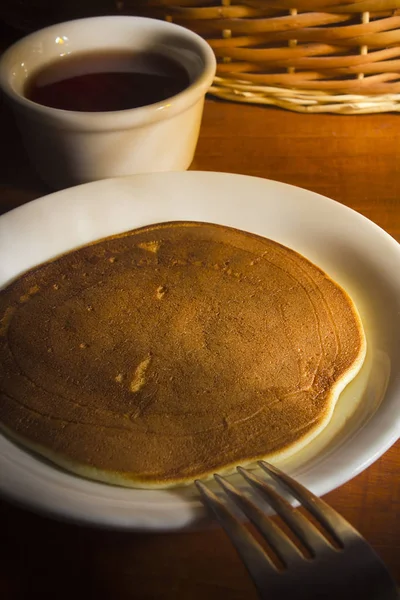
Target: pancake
[(172, 352)]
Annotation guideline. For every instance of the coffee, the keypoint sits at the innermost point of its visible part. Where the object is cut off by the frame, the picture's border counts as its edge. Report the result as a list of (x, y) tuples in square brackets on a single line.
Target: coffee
[(106, 81)]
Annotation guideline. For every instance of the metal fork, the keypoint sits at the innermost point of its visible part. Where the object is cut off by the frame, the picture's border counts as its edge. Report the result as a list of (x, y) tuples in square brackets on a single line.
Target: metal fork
[(339, 567)]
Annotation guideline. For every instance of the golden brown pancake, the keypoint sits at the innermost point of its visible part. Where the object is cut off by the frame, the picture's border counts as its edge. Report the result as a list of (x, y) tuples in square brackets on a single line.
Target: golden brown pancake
[(172, 352)]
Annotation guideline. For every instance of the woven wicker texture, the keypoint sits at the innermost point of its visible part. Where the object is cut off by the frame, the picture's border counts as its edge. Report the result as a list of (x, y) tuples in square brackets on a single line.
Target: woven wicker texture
[(307, 55)]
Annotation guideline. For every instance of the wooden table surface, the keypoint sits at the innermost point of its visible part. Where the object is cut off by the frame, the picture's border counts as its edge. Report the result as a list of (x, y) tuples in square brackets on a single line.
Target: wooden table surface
[(355, 160)]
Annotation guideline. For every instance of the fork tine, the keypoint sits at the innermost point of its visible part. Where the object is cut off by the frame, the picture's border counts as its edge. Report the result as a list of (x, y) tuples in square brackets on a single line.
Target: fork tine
[(256, 560), (284, 548), (309, 535), (334, 523)]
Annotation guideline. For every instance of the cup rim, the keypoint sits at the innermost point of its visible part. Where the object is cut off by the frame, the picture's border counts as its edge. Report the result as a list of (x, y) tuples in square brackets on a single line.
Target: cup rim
[(86, 120)]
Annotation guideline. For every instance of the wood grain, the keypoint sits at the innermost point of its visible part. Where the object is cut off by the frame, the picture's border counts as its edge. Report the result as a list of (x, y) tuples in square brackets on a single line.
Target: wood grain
[(354, 160)]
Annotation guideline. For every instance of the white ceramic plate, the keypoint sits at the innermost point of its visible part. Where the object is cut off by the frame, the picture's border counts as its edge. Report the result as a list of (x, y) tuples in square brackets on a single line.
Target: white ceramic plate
[(354, 251)]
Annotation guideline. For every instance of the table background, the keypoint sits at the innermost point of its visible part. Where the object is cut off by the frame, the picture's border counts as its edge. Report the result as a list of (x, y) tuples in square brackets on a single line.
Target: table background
[(354, 160)]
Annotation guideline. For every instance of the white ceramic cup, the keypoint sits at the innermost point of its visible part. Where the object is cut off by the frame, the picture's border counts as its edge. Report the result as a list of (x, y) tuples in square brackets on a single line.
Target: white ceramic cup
[(70, 147)]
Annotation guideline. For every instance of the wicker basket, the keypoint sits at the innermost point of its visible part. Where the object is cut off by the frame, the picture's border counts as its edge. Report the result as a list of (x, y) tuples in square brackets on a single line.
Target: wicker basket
[(339, 56)]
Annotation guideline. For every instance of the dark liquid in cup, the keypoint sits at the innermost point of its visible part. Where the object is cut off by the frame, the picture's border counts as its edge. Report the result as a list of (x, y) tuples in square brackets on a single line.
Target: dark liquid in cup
[(106, 81)]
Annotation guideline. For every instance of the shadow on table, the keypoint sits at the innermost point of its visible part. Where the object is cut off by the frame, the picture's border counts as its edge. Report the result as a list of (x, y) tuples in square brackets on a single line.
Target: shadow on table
[(18, 181), (43, 558)]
